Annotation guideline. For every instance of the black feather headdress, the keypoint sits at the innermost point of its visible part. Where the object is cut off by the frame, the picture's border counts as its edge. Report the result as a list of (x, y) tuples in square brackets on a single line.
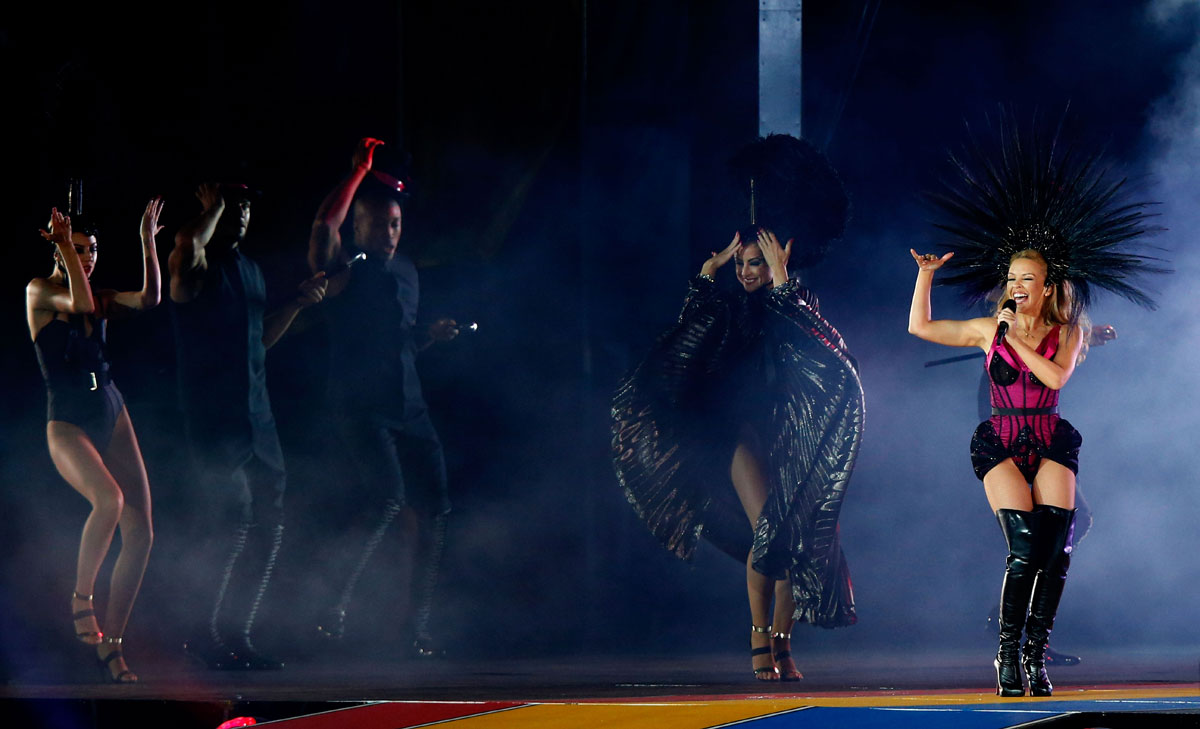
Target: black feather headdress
[(792, 190), (1031, 194)]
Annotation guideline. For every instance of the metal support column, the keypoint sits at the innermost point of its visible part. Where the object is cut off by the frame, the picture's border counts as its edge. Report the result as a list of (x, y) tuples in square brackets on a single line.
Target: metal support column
[(779, 66)]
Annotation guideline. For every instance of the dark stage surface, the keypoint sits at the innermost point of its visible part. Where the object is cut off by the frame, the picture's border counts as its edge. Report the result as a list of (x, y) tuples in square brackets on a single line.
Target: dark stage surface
[(595, 677), (913, 688)]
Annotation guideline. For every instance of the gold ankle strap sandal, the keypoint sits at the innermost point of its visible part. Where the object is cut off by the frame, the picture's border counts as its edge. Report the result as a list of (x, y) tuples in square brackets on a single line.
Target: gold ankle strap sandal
[(762, 650)]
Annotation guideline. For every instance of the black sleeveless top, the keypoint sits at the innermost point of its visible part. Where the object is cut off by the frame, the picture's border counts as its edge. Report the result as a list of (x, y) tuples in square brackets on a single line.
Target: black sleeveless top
[(373, 349), (220, 357)]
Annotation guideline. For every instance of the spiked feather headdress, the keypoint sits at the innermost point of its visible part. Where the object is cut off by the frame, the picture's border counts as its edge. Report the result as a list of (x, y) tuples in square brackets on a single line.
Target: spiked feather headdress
[(1028, 193)]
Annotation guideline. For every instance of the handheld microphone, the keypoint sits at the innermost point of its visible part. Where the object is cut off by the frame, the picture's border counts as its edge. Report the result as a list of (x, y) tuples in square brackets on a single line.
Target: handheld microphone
[(1002, 329)]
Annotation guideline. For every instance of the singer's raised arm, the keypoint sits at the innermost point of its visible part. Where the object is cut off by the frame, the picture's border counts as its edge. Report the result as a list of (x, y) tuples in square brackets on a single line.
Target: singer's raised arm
[(950, 332)]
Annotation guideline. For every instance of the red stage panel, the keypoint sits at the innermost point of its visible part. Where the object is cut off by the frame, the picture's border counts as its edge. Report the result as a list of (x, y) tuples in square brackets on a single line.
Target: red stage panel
[(393, 715)]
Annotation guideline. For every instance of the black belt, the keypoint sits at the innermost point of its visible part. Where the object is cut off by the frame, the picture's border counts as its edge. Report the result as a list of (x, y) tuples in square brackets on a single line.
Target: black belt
[(85, 380), (1048, 410)]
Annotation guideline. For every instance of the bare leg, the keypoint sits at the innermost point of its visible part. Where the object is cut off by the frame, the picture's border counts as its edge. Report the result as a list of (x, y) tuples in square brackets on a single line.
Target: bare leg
[(751, 486), (124, 459), (781, 646), (1054, 485), (1006, 488), (81, 466)]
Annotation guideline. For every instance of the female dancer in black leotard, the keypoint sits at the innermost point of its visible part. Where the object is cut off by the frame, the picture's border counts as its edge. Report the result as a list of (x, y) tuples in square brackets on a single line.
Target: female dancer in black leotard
[(91, 438)]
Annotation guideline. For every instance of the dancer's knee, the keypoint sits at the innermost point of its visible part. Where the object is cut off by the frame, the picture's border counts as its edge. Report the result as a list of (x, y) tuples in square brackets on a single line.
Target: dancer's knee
[(108, 505)]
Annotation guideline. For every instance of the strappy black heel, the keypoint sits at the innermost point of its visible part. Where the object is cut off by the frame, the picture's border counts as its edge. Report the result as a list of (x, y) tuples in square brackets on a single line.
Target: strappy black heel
[(88, 637), (125, 676), (766, 673), (788, 674)]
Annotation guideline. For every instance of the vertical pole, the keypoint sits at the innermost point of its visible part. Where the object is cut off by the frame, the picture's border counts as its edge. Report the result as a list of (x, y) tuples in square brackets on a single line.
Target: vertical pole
[(397, 140), (779, 66)]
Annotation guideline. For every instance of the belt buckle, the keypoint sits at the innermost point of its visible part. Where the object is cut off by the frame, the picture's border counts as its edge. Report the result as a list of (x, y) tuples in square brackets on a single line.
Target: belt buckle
[(95, 385)]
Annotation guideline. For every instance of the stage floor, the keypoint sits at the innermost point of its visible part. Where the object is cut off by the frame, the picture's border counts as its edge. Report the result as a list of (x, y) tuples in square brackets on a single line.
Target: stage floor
[(872, 689)]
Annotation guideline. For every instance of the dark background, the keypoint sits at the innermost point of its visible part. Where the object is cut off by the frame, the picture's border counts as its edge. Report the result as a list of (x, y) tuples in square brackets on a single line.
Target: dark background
[(568, 174)]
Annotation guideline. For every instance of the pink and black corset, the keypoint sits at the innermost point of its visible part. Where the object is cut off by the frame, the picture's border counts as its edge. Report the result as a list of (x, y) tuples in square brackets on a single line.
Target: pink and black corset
[(1025, 425)]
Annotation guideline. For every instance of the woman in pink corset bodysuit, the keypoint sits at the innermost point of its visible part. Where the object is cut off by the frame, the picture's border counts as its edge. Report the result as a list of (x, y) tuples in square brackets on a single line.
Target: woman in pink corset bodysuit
[(1025, 454), (1040, 226)]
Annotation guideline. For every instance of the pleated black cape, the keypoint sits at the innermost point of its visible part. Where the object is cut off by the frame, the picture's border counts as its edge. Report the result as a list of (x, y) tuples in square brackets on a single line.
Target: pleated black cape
[(764, 367)]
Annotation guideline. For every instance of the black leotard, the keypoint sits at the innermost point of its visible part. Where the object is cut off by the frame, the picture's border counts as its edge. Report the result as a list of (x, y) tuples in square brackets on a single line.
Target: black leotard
[(78, 388)]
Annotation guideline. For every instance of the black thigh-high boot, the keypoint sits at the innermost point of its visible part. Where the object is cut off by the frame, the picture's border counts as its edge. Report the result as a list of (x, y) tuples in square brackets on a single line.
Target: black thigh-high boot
[(1019, 530), (1055, 541)]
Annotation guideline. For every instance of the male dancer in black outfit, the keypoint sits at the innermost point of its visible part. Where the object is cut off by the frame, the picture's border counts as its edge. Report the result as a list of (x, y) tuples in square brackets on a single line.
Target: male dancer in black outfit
[(375, 393), (222, 332)]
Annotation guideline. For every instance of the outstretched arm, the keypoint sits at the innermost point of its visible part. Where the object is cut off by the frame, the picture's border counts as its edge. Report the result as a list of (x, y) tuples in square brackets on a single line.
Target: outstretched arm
[(325, 242), (276, 322), (969, 333), (187, 258), (151, 292), (442, 330)]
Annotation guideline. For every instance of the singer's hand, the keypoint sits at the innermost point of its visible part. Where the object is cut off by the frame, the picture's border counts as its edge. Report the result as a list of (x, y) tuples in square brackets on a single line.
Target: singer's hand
[(722, 257), (1006, 315), (929, 261)]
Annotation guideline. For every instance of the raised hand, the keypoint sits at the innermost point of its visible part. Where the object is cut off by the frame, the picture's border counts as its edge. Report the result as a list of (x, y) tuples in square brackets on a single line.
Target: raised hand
[(930, 261), (60, 229), (312, 290), (150, 226), (775, 255), (364, 152), (209, 195), (722, 257)]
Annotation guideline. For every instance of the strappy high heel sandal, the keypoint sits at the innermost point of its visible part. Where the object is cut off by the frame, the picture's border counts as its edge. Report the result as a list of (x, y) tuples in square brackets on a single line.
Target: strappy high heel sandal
[(764, 673), (125, 676), (89, 637), (785, 654)]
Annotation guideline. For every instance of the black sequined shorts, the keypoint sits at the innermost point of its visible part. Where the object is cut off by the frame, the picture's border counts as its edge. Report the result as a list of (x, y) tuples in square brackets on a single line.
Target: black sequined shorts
[(1026, 449)]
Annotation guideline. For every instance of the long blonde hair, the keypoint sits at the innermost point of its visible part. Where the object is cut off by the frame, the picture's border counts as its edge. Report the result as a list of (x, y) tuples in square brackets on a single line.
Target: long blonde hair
[(1061, 307)]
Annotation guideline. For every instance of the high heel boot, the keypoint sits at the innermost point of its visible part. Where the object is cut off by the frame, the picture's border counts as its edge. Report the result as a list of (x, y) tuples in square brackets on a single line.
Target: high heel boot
[(1019, 529), (1055, 542)]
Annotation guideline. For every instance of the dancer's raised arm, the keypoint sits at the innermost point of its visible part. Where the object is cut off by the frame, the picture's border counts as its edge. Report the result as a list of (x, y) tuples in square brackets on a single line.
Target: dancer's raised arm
[(151, 292), (76, 297)]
